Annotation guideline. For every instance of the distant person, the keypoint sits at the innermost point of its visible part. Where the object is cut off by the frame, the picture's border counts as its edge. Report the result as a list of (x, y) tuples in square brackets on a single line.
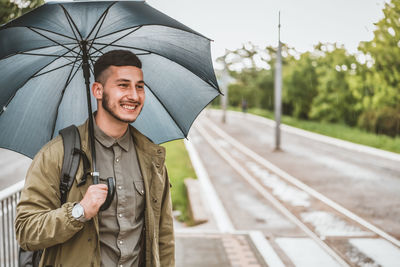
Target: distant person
[(244, 105), (137, 229)]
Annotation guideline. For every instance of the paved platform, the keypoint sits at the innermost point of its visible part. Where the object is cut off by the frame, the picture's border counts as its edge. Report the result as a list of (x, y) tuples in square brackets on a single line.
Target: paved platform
[(216, 250)]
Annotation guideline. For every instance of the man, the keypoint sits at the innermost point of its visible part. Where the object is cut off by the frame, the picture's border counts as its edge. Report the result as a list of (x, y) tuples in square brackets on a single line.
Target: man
[(137, 229)]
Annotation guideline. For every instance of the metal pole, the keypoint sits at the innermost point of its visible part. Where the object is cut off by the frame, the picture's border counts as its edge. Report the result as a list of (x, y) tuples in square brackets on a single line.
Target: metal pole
[(224, 82), (224, 102), (86, 75), (278, 90)]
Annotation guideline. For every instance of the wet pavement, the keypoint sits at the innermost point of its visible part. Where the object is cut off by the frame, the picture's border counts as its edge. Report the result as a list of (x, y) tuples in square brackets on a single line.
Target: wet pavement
[(366, 184), (353, 179), (216, 250)]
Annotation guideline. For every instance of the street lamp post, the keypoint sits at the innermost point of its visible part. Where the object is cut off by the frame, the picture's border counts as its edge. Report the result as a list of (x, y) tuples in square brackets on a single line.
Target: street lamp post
[(278, 90), (224, 82)]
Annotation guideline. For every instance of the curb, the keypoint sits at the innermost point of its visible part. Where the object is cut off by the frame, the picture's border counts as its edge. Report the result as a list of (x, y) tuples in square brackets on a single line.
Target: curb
[(196, 207)]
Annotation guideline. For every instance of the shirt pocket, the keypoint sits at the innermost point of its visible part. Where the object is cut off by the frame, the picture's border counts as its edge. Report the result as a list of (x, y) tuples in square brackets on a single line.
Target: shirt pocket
[(139, 197)]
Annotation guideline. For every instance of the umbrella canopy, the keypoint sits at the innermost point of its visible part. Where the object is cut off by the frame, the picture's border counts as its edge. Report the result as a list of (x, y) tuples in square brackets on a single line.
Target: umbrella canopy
[(42, 86)]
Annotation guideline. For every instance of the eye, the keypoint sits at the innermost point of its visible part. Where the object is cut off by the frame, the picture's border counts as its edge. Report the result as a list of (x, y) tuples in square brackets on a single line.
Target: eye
[(140, 86), (124, 85)]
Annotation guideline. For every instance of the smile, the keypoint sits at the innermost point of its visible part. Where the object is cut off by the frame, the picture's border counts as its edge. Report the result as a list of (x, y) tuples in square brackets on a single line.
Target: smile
[(129, 107)]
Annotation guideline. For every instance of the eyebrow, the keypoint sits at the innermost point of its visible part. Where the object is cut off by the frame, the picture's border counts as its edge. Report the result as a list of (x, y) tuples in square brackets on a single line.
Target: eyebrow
[(126, 80)]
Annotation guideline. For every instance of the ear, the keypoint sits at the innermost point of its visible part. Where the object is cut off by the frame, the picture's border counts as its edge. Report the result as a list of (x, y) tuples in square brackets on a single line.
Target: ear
[(97, 90)]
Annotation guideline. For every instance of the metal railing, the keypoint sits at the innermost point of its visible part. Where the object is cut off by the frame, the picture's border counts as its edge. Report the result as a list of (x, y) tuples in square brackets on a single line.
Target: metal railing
[(9, 198)]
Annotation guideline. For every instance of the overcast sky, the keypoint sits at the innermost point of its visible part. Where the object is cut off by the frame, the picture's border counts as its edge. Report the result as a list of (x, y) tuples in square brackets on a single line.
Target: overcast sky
[(230, 23)]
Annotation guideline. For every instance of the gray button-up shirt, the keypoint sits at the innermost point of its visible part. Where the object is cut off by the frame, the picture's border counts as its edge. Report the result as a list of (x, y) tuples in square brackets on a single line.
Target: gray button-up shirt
[(121, 224)]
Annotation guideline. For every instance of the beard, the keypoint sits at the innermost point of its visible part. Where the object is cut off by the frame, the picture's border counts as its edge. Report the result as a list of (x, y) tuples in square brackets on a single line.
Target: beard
[(105, 103)]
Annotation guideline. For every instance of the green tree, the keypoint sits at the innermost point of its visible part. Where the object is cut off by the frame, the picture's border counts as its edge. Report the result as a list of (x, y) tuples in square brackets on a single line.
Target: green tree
[(334, 101), (242, 66), (300, 84), (381, 86), (10, 10)]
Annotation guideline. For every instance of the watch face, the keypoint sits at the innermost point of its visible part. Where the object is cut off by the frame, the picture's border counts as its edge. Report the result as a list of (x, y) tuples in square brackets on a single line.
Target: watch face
[(77, 211)]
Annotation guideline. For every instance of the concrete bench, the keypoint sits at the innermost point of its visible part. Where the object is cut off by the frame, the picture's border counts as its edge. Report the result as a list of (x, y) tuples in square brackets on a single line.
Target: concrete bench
[(196, 206)]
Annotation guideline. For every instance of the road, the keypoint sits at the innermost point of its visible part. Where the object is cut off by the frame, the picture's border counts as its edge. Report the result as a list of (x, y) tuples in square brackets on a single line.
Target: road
[(364, 184)]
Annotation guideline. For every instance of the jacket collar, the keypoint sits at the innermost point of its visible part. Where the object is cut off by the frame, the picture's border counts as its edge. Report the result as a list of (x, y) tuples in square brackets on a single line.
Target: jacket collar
[(108, 141), (147, 146), (141, 142)]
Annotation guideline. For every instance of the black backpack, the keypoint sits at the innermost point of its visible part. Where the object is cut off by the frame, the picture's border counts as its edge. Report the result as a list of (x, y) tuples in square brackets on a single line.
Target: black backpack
[(72, 156)]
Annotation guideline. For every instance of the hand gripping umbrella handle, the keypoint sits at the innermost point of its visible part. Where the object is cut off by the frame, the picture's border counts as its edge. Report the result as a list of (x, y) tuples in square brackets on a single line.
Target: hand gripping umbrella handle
[(110, 194)]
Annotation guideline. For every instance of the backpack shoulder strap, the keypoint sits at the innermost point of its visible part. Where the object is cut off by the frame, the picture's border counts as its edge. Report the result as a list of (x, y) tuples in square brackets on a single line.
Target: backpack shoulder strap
[(71, 142)]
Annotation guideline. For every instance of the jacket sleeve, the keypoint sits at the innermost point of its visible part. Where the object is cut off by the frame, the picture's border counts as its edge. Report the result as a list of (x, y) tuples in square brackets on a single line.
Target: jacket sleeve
[(41, 222), (166, 231)]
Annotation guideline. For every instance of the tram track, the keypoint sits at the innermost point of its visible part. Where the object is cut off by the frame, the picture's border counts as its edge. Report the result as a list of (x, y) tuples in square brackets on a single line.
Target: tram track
[(205, 126)]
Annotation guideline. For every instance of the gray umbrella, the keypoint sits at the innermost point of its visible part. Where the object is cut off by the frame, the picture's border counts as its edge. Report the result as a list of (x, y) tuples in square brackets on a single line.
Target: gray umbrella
[(45, 54)]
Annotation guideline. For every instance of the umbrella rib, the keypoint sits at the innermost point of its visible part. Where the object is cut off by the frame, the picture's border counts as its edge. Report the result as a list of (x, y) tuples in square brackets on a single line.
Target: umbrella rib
[(33, 49), (111, 33), (151, 52), (102, 17), (37, 54), (116, 40), (98, 30), (60, 67), (70, 20), (48, 55), (67, 82), (11, 98), (56, 33), (69, 50), (99, 51), (155, 95)]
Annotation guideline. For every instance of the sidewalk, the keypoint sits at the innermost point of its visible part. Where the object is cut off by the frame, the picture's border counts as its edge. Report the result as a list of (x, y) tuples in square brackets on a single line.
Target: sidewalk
[(215, 243), (216, 250)]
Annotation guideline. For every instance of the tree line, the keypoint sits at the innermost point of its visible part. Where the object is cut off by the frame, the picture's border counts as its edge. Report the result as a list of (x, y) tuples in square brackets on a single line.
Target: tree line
[(328, 84)]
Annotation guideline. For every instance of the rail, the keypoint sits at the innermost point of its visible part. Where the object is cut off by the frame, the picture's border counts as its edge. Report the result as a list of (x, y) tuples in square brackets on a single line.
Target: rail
[(9, 198)]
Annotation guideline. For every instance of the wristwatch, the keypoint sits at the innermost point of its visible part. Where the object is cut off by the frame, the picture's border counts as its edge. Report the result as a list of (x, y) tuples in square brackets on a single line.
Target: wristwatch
[(78, 213)]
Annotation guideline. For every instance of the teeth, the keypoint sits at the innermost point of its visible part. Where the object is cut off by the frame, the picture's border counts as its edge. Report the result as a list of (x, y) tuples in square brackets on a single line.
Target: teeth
[(129, 107)]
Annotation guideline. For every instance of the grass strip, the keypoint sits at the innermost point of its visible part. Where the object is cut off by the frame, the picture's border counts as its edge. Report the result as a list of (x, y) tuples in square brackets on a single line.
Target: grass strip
[(179, 167), (336, 130)]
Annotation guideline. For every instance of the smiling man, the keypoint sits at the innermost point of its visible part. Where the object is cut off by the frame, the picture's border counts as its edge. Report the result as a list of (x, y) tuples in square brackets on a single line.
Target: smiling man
[(137, 228)]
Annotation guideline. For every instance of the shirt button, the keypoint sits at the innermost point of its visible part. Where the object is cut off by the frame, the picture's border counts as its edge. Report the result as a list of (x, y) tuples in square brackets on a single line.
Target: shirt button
[(159, 151), (120, 215), (120, 242), (119, 187), (117, 160), (142, 191), (120, 265)]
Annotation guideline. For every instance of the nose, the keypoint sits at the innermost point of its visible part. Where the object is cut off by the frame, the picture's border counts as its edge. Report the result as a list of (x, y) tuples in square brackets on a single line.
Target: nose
[(133, 94)]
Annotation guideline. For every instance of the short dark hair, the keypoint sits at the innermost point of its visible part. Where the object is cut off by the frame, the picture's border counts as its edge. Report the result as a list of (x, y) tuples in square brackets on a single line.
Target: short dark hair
[(115, 58)]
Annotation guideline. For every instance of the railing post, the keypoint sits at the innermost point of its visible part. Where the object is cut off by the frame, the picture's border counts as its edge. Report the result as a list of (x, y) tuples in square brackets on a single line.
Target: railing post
[(8, 243)]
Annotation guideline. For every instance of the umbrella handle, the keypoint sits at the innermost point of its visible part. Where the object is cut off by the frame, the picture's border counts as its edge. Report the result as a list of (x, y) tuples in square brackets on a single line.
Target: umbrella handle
[(110, 194)]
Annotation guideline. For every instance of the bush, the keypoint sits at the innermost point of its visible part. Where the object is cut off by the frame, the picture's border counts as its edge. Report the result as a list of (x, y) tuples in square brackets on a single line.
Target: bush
[(388, 121), (384, 121), (367, 120)]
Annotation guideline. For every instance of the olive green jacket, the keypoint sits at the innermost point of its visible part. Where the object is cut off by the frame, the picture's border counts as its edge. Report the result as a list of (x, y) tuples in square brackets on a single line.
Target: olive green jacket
[(42, 223)]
